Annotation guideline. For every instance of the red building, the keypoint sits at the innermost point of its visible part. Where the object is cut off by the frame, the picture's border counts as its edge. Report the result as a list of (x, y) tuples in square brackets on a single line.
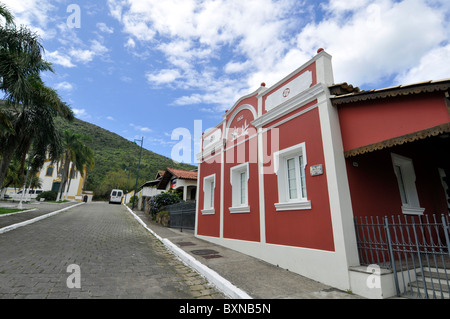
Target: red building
[(402, 129), (284, 174)]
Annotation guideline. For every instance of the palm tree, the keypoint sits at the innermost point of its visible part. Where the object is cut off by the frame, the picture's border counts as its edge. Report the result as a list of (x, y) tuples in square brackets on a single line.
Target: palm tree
[(5, 125), (13, 176), (28, 118), (20, 57), (76, 153), (6, 14), (33, 125)]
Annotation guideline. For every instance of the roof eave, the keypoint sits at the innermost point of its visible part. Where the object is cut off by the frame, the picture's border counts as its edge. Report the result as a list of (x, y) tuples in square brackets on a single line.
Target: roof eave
[(401, 90)]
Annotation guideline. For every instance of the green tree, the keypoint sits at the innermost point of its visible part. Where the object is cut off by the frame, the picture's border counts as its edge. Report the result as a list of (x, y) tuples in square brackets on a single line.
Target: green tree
[(6, 14), (114, 180), (20, 57), (27, 115), (77, 153), (5, 125), (34, 127)]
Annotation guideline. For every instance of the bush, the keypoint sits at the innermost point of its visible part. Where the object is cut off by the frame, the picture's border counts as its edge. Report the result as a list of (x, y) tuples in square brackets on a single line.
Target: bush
[(158, 202), (134, 198), (49, 195)]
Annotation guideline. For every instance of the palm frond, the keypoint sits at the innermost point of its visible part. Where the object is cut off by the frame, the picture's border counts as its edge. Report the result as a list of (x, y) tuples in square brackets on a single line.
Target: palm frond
[(6, 14)]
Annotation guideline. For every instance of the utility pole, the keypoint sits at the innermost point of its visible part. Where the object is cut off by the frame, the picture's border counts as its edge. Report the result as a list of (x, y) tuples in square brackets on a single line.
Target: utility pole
[(137, 174)]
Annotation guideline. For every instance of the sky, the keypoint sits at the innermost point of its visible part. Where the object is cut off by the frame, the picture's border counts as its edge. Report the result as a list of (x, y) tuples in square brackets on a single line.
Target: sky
[(143, 69)]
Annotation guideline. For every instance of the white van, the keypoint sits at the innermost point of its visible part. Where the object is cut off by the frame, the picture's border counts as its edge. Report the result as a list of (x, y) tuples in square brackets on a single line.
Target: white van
[(116, 196)]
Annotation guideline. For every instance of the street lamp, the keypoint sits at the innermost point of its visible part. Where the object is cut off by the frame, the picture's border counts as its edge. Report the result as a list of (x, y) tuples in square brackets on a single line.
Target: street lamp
[(137, 174)]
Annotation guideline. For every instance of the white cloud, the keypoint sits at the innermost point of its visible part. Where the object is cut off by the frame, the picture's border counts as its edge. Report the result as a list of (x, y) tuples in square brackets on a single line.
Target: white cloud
[(429, 68), (59, 58), (223, 49), (83, 56), (377, 40), (34, 14), (341, 6), (98, 48), (130, 44), (110, 118), (192, 99), (141, 128), (236, 67), (104, 28), (87, 55), (65, 86), (163, 77), (80, 113), (191, 34), (219, 99)]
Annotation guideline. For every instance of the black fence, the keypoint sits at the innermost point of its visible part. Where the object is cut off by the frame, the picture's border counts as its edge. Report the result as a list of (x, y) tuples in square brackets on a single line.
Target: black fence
[(182, 215), (415, 248)]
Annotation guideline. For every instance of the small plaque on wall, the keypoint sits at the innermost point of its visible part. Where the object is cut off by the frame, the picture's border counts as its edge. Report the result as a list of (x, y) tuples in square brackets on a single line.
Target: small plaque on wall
[(316, 170)]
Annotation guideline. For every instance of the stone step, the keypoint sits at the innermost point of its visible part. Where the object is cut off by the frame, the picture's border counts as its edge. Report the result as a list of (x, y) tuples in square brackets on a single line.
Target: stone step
[(437, 283)]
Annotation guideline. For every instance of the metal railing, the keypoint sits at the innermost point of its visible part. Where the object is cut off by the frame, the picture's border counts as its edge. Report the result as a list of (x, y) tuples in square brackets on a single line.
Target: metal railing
[(182, 215), (415, 248)]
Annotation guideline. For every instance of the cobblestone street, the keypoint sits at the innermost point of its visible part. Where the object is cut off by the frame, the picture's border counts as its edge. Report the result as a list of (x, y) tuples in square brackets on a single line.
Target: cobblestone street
[(116, 256)]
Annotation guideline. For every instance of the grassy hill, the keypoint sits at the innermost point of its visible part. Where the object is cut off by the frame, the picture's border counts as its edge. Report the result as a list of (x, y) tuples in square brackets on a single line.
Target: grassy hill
[(113, 155)]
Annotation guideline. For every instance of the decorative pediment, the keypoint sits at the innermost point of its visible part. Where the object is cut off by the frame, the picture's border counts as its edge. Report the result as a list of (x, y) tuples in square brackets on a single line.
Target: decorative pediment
[(239, 125)]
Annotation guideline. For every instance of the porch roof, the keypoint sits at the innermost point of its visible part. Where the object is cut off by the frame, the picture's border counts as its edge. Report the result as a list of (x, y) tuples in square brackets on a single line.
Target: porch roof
[(384, 122), (434, 131), (345, 93), (150, 183)]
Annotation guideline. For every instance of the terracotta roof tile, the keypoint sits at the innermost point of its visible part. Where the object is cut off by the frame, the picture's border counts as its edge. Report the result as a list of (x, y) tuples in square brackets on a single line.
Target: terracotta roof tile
[(180, 173), (342, 97)]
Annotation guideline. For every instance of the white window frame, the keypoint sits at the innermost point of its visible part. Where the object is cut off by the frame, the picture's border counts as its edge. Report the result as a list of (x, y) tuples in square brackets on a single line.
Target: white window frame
[(209, 186), (239, 206), (406, 179), (285, 203)]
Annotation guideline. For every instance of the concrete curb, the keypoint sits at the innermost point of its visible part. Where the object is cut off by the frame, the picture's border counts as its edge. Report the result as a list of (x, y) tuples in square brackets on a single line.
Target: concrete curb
[(213, 277), (30, 221)]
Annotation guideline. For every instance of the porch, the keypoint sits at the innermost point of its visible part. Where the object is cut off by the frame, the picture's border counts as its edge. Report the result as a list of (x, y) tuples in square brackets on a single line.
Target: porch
[(400, 200), (411, 252)]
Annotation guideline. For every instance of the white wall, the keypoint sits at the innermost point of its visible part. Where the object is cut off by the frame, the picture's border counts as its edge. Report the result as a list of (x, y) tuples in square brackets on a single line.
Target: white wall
[(47, 181)]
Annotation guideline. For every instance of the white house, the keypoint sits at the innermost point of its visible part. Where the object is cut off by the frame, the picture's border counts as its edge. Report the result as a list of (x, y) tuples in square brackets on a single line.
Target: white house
[(51, 179), (179, 179)]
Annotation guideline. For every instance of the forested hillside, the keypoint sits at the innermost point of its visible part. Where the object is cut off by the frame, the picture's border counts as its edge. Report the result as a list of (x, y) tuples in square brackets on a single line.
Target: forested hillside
[(116, 158)]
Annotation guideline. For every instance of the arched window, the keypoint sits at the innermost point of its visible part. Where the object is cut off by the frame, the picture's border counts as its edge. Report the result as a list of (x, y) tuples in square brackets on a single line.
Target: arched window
[(49, 171)]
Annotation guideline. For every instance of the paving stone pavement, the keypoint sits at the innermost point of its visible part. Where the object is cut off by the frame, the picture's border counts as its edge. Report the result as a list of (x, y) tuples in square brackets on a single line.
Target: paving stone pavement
[(116, 256)]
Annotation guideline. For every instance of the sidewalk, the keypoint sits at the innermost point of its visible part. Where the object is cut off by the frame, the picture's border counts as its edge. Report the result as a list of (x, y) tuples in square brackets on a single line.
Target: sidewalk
[(240, 275)]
